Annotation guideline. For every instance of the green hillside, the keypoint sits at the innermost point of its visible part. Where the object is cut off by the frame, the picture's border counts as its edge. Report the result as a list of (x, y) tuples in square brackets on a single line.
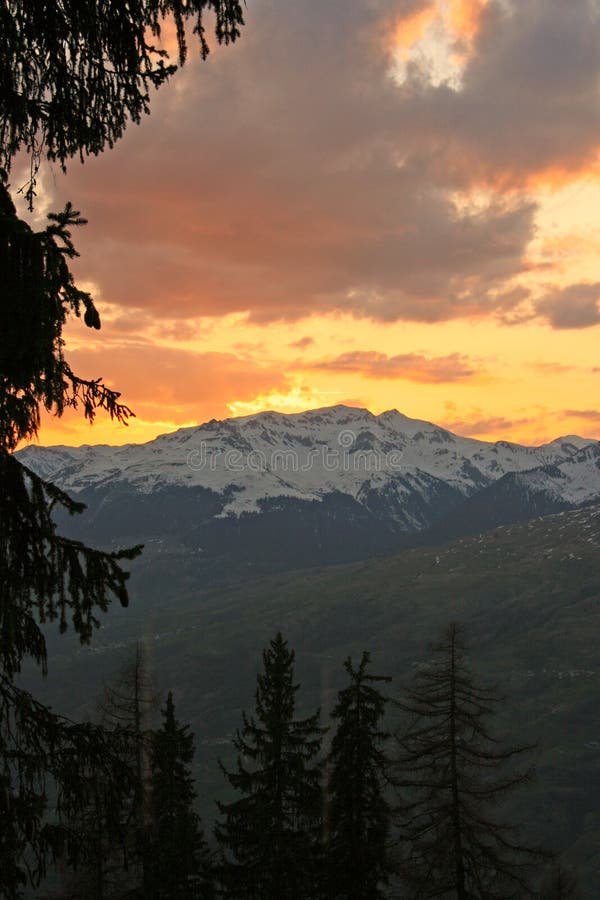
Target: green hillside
[(529, 596)]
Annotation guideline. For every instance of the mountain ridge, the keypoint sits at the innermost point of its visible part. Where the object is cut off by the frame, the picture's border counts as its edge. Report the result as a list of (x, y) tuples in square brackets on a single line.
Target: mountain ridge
[(327, 485), (397, 432)]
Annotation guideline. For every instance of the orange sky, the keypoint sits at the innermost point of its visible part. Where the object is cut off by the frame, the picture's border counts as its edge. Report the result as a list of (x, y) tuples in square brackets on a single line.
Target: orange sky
[(391, 204)]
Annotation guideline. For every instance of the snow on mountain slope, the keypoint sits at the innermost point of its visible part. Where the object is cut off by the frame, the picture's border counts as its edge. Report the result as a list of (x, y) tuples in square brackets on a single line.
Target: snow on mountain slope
[(574, 480), (387, 459)]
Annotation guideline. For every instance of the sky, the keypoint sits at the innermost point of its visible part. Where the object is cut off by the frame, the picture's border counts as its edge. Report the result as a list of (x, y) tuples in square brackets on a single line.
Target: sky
[(383, 203)]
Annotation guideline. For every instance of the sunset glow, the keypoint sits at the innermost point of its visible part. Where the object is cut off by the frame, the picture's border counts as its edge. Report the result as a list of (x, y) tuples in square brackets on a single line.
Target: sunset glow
[(388, 204)]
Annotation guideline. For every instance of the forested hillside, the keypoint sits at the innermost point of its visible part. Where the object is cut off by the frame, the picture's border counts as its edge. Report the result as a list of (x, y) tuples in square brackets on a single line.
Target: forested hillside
[(528, 595)]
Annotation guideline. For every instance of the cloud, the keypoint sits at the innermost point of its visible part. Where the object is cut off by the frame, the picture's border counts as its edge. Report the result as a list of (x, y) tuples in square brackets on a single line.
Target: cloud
[(527, 107), (586, 415), (483, 427), (164, 383), (576, 306), (407, 366), (290, 175), (303, 342), (551, 368), (540, 426)]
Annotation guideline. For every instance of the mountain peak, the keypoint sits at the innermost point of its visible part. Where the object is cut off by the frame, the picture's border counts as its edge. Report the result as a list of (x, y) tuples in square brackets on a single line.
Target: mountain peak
[(571, 440), (396, 473), (336, 411)]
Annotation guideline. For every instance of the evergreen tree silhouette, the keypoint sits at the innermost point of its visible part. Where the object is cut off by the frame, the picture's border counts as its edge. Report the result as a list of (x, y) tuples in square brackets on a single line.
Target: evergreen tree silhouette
[(270, 834), (71, 77), (450, 777), (44, 577), (359, 815), (178, 861)]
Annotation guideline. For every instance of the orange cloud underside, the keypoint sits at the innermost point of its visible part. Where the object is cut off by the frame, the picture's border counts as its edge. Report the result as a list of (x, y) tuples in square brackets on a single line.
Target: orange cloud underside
[(509, 383), (407, 30), (551, 177), (369, 242), (462, 18), (465, 17)]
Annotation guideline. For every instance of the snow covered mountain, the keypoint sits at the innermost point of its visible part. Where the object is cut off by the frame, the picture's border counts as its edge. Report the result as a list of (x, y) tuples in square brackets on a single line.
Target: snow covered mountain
[(346, 480)]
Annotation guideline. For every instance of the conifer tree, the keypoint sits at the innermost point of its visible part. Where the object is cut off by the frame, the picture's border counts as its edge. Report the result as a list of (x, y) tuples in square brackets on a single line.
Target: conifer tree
[(71, 76), (359, 815), (451, 774), (44, 576), (270, 834), (102, 866), (35, 744), (178, 865)]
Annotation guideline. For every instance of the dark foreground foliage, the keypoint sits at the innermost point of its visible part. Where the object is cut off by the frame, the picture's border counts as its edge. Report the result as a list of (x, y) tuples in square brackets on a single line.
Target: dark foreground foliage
[(359, 814), (270, 835), (71, 76), (178, 862)]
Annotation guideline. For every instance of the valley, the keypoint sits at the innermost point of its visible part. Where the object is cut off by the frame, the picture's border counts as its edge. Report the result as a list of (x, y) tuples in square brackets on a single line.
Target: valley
[(528, 595)]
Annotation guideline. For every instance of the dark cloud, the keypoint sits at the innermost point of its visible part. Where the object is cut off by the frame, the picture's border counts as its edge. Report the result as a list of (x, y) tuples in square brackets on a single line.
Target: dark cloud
[(576, 306), (528, 102), (290, 175), (408, 366)]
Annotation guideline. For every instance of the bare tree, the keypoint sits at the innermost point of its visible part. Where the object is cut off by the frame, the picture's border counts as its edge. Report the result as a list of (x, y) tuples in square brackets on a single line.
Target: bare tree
[(113, 833), (450, 773), (127, 703)]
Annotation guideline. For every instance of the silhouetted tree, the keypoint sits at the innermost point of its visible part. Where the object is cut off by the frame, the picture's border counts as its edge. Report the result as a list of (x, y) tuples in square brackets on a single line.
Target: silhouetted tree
[(101, 821), (178, 861), (270, 834), (126, 704), (449, 776), (359, 815), (113, 836), (71, 74), (36, 743), (43, 576)]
